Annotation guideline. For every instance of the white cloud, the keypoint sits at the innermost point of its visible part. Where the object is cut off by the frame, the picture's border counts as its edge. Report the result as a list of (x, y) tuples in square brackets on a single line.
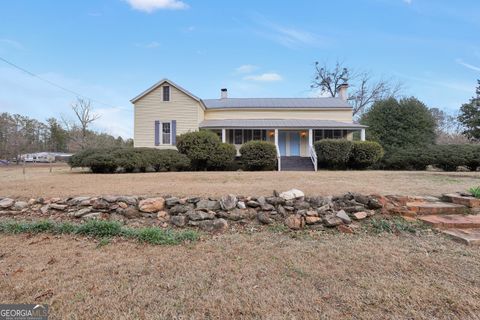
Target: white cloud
[(246, 68), (152, 5), (265, 77), (467, 65)]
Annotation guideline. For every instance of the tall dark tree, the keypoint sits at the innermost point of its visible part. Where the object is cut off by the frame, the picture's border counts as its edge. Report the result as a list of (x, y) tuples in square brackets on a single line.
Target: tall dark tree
[(400, 123), (364, 90), (58, 136), (469, 116)]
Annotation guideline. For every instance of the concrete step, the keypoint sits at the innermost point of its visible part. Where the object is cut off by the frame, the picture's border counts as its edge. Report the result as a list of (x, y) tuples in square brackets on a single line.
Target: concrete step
[(428, 208), (296, 164), (456, 198), (452, 221), (466, 236)]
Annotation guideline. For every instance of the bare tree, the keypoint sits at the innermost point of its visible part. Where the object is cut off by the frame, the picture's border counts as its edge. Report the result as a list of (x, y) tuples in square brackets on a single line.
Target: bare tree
[(365, 89), (85, 116)]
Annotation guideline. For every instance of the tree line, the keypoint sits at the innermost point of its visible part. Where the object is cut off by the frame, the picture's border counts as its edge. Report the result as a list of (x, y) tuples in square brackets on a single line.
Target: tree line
[(20, 134)]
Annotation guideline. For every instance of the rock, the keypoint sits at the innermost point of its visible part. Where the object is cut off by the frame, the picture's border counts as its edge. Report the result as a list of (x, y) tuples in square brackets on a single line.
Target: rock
[(345, 229), (151, 205), (343, 216), (264, 217), (235, 215), (20, 205), (162, 214), (331, 220), (312, 219), (302, 205), (6, 203), (116, 217), (193, 199), (275, 200), (213, 205), (200, 215), (354, 209), (267, 207), (57, 206), (360, 198), (253, 204), (374, 204), (55, 200), (360, 215), (178, 221), (312, 213), (110, 199), (217, 225), (100, 204), (122, 205), (81, 212), (31, 202), (228, 202), (180, 208), (44, 209), (77, 200), (170, 202), (281, 211), (130, 213), (85, 203), (92, 215), (241, 205), (128, 199), (295, 222), (292, 194)]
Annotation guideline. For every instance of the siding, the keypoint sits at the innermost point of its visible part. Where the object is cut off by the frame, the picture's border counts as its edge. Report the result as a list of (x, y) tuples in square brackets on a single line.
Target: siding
[(186, 111), (327, 114)]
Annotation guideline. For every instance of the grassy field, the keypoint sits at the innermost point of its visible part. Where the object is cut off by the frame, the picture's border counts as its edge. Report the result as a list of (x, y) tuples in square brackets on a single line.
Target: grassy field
[(245, 276), (39, 181)]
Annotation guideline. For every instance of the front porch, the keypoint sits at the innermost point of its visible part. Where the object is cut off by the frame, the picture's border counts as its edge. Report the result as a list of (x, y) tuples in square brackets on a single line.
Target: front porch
[(294, 139)]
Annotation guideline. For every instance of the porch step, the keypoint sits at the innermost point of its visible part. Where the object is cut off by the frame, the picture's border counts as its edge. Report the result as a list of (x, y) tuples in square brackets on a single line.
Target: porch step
[(456, 198), (297, 164), (430, 208), (452, 221), (466, 236)]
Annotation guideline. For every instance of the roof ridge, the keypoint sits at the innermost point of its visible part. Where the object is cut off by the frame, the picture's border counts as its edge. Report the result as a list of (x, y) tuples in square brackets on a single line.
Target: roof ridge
[(274, 98)]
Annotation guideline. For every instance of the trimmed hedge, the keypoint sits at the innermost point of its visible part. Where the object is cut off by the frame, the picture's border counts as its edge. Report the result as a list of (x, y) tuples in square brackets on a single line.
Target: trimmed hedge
[(446, 157), (259, 155), (205, 150), (129, 159), (342, 154)]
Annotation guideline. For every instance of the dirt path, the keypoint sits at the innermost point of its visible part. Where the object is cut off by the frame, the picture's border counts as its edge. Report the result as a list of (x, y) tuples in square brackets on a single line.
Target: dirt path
[(38, 181)]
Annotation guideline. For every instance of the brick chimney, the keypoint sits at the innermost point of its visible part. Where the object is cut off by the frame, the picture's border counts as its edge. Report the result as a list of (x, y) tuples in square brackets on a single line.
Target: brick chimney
[(224, 93), (342, 91)]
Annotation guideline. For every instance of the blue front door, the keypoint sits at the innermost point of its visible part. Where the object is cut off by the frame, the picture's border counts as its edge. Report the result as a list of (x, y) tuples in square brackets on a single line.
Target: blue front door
[(294, 143), (282, 143)]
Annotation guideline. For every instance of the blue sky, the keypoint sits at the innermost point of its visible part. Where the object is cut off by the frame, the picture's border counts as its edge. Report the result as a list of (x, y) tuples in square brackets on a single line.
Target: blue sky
[(111, 50)]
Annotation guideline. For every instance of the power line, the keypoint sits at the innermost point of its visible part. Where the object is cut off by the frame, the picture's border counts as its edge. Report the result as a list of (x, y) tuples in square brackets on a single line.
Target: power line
[(59, 86)]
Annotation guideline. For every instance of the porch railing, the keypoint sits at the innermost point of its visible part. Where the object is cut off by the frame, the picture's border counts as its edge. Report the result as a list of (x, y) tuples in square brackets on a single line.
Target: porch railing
[(279, 158), (313, 157)]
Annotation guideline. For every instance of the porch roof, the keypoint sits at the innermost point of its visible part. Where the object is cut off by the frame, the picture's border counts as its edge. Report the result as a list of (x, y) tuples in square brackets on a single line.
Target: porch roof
[(278, 124)]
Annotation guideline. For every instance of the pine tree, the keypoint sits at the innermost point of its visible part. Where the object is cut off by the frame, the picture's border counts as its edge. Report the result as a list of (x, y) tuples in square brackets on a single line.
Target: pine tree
[(469, 116)]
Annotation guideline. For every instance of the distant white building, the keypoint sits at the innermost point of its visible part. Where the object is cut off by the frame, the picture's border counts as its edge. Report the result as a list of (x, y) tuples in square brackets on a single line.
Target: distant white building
[(44, 157)]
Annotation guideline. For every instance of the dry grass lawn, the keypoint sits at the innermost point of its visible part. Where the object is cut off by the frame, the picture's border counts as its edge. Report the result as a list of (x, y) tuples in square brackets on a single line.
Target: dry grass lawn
[(245, 276), (38, 181)]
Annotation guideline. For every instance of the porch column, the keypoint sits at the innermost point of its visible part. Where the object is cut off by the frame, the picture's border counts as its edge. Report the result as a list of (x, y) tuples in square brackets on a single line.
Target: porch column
[(310, 137), (362, 135), (224, 135), (276, 137)]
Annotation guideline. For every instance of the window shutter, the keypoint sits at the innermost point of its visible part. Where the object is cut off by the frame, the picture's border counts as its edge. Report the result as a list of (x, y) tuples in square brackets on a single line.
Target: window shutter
[(157, 132), (174, 132)]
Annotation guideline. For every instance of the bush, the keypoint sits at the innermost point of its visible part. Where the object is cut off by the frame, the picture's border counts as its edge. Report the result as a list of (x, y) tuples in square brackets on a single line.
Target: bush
[(446, 157), (100, 162), (199, 146), (333, 153), (128, 159), (168, 160), (259, 155), (223, 157), (365, 154)]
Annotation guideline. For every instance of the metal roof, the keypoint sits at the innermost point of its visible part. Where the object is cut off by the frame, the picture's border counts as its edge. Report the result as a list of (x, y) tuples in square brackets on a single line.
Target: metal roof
[(279, 123), (288, 103)]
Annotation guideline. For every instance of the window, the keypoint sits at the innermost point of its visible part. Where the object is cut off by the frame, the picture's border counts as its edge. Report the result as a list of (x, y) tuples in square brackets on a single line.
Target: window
[(328, 134), (337, 134), (166, 93), (166, 133), (238, 137), (317, 135)]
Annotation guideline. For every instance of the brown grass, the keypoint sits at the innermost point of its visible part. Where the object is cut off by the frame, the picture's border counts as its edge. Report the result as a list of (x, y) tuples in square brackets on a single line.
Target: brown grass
[(242, 276), (38, 181)]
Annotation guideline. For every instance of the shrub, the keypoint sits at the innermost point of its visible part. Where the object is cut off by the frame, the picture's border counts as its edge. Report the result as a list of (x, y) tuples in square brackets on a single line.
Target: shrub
[(100, 162), (475, 191), (407, 159), (365, 153), (259, 155), (168, 160), (127, 158), (333, 153), (199, 146), (222, 157)]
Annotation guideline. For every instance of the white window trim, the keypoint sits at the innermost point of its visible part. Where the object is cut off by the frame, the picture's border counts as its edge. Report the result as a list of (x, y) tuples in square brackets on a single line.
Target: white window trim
[(161, 133)]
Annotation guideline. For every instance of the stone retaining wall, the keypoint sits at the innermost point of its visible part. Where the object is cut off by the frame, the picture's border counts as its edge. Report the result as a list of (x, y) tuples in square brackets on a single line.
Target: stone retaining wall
[(291, 208)]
